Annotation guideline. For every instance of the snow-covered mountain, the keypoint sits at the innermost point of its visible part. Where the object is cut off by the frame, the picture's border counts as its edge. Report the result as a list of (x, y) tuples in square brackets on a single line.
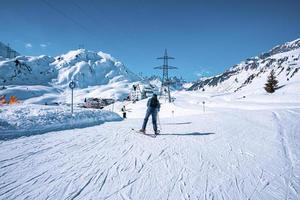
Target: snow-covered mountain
[(86, 68), (250, 75), (89, 68), (177, 83), (44, 79)]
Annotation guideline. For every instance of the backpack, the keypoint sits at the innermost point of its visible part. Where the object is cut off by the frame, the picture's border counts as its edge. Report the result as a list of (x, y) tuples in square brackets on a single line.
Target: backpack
[(154, 103)]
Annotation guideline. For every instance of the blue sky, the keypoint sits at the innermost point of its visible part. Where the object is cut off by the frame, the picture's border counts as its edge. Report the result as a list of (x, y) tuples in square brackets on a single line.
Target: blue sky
[(205, 37)]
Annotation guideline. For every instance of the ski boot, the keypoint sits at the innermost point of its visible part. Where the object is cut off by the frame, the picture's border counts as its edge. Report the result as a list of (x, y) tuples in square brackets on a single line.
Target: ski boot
[(142, 131)]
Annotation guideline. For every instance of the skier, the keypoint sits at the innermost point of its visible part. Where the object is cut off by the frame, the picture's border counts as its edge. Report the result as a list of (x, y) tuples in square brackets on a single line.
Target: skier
[(124, 112), (17, 62), (2, 100), (134, 87), (153, 108)]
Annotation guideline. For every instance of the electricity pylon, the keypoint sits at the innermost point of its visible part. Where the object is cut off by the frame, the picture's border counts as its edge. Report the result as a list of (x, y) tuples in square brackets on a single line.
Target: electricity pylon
[(165, 82)]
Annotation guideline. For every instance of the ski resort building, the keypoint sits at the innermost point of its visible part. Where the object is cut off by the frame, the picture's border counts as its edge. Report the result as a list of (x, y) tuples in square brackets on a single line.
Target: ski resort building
[(136, 93), (7, 52), (139, 92), (98, 103)]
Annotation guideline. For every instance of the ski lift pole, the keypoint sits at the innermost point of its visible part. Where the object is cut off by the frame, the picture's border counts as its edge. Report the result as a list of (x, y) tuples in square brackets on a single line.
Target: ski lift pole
[(72, 85)]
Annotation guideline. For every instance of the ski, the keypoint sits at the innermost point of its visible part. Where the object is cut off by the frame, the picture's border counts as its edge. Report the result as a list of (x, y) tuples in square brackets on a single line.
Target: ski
[(149, 135)]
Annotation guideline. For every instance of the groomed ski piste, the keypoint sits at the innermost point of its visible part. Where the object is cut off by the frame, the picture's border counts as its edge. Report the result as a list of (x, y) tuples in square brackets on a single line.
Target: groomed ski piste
[(233, 148)]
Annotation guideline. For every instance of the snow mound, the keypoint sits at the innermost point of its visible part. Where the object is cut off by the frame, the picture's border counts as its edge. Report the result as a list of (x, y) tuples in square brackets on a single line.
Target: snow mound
[(24, 92), (25, 120)]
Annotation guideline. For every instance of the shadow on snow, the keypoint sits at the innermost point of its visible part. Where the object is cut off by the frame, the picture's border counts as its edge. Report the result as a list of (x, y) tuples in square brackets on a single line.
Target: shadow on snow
[(189, 134), (177, 123)]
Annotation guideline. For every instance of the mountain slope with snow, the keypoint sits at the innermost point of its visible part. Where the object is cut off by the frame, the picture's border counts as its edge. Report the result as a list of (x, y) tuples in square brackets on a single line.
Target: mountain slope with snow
[(96, 74), (250, 76), (27, 70), (86, 68)]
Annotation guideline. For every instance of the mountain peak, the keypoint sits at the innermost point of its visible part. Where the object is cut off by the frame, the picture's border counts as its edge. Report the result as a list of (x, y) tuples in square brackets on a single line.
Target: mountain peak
[(288, 46), (251, 74)]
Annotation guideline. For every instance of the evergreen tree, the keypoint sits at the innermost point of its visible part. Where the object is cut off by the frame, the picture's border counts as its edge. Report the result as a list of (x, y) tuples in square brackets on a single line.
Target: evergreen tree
[(271, 84)]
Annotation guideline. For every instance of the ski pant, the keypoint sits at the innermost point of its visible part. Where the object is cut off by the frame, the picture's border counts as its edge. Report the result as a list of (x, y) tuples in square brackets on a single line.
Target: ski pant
[(153, 113)]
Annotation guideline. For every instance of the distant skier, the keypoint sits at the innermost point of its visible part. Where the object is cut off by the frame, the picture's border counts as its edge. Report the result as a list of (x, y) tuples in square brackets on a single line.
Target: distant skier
[(124, 112), (2, 100), (153, 108), (17, 62)]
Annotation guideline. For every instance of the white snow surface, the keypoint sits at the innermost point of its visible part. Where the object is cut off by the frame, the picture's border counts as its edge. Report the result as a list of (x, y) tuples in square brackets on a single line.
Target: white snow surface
[(24, 120), (237, 149)]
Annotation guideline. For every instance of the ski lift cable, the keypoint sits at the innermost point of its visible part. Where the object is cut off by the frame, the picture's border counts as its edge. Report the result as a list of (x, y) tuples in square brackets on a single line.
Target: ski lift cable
[(84, 12), (68, 17)]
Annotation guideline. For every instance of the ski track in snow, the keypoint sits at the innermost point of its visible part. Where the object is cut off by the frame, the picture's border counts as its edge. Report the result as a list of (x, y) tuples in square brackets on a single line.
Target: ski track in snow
[(209, 158), (290, 179)]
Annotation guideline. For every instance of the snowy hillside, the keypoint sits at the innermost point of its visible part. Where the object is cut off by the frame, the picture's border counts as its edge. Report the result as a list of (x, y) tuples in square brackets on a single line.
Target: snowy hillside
[(86, 68), (45, 79), (249, 76), (90, 68), (27, 70)]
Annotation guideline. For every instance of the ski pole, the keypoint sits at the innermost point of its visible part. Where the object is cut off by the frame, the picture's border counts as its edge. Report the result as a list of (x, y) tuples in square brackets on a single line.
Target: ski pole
[(159, 121)]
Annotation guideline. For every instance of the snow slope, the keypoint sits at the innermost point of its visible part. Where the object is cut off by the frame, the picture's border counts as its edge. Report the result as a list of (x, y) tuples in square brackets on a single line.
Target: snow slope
[(236, 149), (250, 75)]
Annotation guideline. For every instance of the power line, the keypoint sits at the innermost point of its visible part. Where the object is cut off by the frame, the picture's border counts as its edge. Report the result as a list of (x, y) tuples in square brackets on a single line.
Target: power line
[(69, 18), (84, 12)]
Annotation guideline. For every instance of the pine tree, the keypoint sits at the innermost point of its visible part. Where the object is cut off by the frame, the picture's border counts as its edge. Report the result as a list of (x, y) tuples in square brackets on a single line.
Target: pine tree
[(271, 84)]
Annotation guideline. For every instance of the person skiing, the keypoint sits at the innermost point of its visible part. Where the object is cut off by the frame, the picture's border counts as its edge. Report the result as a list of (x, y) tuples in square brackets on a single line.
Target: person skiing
[(124, 112), (2, 100), (153, 107)]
